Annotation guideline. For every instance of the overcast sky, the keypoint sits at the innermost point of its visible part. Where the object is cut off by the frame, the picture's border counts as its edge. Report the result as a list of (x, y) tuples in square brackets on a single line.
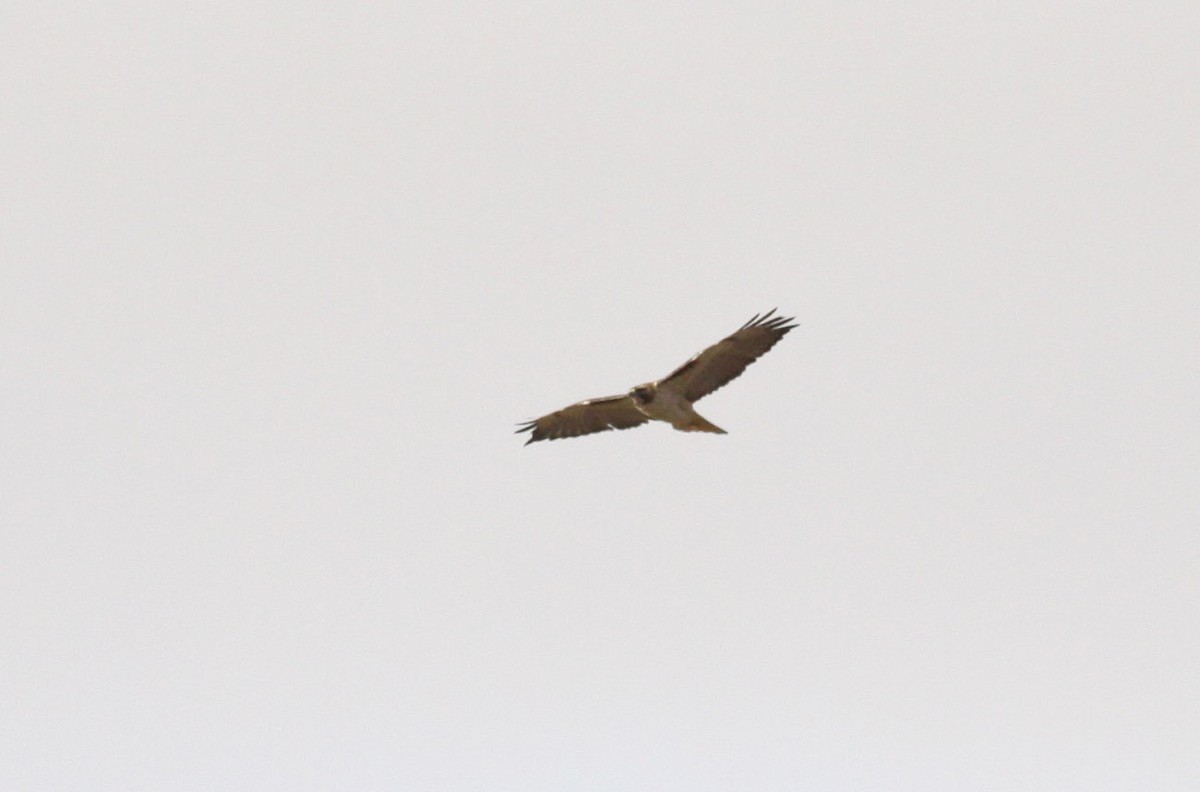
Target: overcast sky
[(279, 279)]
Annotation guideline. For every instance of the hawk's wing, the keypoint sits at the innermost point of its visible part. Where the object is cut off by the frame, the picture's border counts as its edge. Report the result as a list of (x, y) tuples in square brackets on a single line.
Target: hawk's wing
[(586, 417), (728, 358)]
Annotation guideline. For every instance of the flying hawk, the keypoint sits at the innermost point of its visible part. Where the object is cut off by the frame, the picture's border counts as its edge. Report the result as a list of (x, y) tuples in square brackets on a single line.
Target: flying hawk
[(669, 399)]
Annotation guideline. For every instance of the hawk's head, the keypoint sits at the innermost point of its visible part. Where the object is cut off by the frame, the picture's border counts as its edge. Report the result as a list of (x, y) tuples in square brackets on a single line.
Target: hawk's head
[(643, 394)]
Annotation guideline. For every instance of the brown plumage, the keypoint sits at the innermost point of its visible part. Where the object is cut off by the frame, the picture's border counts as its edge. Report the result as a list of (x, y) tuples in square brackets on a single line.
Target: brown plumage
[(669, 399), (586, 417)]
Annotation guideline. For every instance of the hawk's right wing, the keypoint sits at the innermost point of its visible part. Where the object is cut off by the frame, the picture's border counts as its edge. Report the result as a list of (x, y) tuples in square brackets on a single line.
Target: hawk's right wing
[(728, 358)]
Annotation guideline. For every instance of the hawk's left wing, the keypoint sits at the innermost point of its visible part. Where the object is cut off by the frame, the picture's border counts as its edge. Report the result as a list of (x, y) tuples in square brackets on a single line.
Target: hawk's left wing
[(728, 358), (585, 417)]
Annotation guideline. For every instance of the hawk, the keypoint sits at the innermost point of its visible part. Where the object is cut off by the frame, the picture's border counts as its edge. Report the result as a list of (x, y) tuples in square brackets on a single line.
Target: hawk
[(669, 399)]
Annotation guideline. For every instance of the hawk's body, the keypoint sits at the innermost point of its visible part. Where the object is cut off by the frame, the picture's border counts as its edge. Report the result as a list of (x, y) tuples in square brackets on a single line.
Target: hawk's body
[(669, 399), (663, 402)]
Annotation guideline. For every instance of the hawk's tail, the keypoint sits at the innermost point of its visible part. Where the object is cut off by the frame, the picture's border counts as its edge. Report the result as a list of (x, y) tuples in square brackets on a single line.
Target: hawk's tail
[(699, 423)]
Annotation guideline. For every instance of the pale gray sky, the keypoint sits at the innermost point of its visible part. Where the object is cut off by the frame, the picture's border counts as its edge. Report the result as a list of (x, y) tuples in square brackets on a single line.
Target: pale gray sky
[(279, 279)]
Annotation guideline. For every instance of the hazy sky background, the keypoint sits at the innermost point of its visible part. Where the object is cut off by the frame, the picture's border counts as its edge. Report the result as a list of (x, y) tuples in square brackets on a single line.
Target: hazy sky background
[(279, 279)]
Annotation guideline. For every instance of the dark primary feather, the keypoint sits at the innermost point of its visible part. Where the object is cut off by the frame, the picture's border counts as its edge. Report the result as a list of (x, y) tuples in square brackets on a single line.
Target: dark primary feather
[(585, 417), (728, 358)]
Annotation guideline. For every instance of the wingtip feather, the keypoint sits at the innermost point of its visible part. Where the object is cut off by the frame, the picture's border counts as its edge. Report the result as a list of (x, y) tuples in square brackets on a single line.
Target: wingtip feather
[(769, 320)]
